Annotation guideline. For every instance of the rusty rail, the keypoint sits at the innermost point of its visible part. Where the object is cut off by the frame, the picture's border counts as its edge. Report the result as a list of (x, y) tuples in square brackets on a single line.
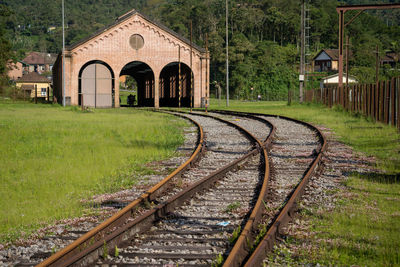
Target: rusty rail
[(86, 250), (286, 213), (241, 249), (145, 221), (62, 257)]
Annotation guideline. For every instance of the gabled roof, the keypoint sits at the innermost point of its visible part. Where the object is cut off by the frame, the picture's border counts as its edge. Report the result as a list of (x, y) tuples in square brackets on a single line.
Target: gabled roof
[(33, 77), (332, 53), (128, 15), (38, 58)]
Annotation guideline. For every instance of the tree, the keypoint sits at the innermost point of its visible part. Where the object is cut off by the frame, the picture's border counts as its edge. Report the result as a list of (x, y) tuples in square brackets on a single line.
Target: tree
[(5, 47)]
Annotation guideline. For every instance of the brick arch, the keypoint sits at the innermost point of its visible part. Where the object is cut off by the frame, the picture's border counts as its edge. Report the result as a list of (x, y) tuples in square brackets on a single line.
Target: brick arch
[(145, 79), (169, 85)]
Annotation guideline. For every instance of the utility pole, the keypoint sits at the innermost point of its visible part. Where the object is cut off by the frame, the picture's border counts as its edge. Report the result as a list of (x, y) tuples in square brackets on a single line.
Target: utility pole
[(347, 60), (341, 11), (206, 106), (227, 57), (179, 77), (377, 65), (191, 72), (63, 55), (302, 54)]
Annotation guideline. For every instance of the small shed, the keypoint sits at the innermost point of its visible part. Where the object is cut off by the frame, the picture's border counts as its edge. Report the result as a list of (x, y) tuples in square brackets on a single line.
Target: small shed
[(34, 85), (334, 80)]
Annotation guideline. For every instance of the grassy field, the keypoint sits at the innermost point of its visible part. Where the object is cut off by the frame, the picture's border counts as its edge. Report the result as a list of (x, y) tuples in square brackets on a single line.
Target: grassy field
[(364, 229), (51, 157)]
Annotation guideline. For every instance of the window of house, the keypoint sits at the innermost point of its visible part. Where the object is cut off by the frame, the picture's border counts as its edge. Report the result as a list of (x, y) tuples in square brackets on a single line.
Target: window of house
[(43, 92), (42, 67), (328, 64)]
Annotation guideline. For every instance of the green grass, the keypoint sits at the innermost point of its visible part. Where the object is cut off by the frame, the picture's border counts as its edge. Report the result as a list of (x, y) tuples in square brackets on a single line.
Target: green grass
[(51, 157), (123, 95), (361, 133), (364, 228)]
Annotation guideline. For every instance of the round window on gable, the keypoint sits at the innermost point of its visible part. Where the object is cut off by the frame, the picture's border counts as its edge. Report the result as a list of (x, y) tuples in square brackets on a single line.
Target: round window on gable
[(136, 41)]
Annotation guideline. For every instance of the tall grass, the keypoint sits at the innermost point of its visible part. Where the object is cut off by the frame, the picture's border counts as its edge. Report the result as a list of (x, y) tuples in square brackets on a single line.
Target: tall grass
[(51, 157)]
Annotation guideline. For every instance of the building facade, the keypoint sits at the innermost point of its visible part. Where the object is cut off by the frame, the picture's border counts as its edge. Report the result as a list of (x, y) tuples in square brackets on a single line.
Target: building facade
[(169, 71), (34, 85), (38, 62), (326, 60)]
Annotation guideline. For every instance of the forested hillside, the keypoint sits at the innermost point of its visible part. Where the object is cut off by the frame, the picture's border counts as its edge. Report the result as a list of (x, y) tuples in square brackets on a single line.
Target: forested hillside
[(264, 34)]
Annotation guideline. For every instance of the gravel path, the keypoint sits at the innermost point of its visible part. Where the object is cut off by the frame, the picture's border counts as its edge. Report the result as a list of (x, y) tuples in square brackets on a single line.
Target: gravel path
[(224, 144), (293, 149), (196, 233)]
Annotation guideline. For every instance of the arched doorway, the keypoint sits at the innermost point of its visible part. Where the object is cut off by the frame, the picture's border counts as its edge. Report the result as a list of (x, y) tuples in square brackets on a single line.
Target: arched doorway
[(96, 85), (144, 77), (169, 85)]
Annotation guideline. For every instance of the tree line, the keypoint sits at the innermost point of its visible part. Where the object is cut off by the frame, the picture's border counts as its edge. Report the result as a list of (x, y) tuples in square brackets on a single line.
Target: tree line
[(264, 34)]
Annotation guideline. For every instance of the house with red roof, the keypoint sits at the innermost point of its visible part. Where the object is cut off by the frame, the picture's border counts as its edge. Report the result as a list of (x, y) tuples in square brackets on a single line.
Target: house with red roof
[(34, 85)]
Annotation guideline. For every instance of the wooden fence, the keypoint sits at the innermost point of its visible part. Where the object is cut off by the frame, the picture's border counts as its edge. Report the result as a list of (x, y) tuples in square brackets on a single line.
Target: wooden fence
[(380, 101)]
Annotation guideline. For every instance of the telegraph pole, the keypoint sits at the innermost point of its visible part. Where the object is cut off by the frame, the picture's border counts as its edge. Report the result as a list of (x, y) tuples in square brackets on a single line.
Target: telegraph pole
[(227, 56), (302, 54), (207, 82), (377, 65), (191, 72), (63, 55), (347, 60)]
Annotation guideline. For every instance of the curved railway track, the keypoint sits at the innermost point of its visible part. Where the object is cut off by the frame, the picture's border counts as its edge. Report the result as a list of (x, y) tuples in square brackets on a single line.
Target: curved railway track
[(295, 154), (89, 246), (206, 226), (222, 206)]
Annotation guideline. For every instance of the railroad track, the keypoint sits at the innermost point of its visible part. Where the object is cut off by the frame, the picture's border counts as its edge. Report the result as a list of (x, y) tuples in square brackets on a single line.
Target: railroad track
[(214, 208), (205, 228), (209, 162), (295, 155)]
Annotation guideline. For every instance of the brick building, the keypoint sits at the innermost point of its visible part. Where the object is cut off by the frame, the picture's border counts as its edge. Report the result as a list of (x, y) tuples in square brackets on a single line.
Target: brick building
[(133, 45)]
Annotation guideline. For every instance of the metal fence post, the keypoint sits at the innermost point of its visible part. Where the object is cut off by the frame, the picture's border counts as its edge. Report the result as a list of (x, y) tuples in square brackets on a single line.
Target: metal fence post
[(393, 102), (397, 81), (382, 110), (376, 102), (387, 102)]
